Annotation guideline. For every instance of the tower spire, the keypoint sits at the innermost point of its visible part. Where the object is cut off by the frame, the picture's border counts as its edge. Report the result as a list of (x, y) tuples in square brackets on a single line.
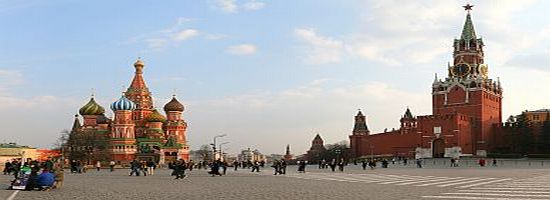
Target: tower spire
[(468, 32), (360, 127)]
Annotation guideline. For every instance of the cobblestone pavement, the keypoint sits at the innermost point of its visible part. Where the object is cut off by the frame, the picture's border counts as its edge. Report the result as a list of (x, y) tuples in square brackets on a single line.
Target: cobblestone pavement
[(353, 183)]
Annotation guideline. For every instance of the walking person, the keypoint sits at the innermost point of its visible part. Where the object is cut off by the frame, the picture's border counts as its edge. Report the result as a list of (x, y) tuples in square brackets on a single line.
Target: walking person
[(98, 165), (112, 165), (224, 167), (190, 165), (283, 166), (385, 163), (256, 166), (179, 169), (276, 165), (143, 167), (333, 164), (494, 162), (419, 163), (7, 168), (134, 167), (235, 165), (215, 168), (302, 166), (151, 167), (73, 166), (364, 164), (341, 165), (79, 166)]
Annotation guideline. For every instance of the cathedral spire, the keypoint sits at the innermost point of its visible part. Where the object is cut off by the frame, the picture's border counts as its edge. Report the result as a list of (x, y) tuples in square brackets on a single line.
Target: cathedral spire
[(138, 82), (138, 91), (76, 124)]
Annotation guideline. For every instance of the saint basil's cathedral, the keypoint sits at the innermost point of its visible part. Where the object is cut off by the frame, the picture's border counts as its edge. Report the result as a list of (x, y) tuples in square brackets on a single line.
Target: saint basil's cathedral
[(466, 106), (137, 130)]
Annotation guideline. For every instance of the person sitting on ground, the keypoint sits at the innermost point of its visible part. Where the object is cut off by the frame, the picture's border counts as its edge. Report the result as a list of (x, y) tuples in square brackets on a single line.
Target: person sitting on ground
[(45, 180)]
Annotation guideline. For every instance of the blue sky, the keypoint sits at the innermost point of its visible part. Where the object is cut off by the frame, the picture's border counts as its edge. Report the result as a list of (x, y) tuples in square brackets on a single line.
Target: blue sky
[(267, 73)]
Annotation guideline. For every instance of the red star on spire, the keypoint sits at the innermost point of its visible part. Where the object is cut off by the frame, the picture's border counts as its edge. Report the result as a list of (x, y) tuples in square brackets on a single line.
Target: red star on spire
[(468, 7)]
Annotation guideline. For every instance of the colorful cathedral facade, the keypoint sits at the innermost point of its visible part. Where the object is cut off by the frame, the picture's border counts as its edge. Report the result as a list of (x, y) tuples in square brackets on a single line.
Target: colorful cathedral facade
[(137, 130), (466, 106)]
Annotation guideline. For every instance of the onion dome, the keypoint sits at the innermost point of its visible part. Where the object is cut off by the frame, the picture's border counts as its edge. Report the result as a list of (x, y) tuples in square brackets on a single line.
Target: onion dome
[(91, 108), (174, 105), (102, 119), (123, 104), (139, 63), (155, 117)]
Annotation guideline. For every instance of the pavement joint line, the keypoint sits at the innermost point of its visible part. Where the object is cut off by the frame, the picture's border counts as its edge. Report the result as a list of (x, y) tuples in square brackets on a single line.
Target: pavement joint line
[(418, 179), (510, 188), (462, 182), (459, 180), (495, 191), (484, 183), (474, 198), (494, 194), (12, 196), (430, 180)]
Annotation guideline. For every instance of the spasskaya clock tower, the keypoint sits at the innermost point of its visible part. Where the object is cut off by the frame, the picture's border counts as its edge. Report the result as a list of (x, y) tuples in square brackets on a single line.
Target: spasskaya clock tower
[(468, 90)]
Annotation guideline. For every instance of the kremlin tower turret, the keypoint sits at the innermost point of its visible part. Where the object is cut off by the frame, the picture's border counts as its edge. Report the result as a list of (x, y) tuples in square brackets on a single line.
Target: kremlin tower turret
[(467, 108)]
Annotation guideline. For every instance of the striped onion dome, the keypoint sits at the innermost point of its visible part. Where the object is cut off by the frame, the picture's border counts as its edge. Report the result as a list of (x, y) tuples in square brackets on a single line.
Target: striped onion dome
[(91, 108), (123, 104), (155, 117), (174, 105)]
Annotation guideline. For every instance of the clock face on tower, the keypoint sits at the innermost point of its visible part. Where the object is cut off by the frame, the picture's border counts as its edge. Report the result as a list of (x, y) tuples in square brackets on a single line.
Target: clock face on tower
[(461, 70)]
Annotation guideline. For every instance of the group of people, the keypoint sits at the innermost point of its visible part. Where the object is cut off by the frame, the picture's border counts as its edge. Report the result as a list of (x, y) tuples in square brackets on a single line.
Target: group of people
[(34, 175), (142, 167), (279, 167), (333, 164)]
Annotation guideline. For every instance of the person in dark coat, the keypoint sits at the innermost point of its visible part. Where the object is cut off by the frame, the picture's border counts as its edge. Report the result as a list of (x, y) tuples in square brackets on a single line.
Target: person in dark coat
[(283, 166), (135, 166), (215, 168), (180, 168)]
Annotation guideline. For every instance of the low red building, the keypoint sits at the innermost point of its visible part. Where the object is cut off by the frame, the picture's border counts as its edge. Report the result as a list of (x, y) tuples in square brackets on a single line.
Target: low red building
[(466, 108)]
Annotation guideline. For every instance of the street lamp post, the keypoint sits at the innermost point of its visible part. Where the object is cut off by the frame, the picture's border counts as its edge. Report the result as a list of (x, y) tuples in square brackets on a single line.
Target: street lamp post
[(214, 145), (221, 150), (337, 151)]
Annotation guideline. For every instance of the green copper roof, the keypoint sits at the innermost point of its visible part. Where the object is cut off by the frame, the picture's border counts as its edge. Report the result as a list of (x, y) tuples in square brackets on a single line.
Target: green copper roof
[(468, 32)]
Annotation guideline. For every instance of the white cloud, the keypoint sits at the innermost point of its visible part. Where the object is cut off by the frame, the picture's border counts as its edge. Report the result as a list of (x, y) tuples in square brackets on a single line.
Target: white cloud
[(242, 49), (185, 34), (231, 6), (170, 36), (253, 5), (227, 5), (319, 49)]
